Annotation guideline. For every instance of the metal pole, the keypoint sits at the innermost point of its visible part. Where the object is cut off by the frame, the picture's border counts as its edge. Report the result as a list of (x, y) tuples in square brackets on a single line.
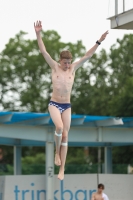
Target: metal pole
[(99, 149), (123, 5), (99, 160), (116, 7), (50, 165), (17, 160), (108, 160)]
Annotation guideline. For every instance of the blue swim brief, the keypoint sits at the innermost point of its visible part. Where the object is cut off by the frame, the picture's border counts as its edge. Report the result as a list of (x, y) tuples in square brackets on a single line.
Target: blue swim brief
[(61, 106)]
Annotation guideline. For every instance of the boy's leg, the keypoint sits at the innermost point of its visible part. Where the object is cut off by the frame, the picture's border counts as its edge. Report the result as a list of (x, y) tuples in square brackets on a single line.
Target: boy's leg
[(56, 118), (66, 118)]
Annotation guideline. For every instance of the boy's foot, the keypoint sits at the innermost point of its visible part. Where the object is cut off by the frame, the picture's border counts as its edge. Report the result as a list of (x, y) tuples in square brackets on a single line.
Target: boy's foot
[(57, 159), (61, 175)]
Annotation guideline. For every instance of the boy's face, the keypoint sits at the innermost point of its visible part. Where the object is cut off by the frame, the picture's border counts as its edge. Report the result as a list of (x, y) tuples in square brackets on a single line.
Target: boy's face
[(65, 64)]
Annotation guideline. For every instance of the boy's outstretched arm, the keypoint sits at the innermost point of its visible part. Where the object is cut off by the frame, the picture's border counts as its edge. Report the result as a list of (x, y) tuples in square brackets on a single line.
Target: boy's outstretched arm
[(38, 29), (89, 53)]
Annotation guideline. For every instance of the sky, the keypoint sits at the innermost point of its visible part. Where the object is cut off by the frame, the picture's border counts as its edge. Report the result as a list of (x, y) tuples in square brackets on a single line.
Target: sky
[(74, 20)]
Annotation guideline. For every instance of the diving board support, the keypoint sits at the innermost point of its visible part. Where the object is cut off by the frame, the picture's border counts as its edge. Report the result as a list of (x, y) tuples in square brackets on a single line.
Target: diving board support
[(50, 164), (99, 149), (17, 159), (108, 159)]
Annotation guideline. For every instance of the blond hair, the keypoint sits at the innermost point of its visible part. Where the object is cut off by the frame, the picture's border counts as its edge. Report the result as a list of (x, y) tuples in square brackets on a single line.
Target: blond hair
[(65, 55)]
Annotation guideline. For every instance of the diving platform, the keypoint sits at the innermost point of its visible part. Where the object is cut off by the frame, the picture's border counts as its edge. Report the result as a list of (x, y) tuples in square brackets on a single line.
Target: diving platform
[(121, 18), (122, 21)]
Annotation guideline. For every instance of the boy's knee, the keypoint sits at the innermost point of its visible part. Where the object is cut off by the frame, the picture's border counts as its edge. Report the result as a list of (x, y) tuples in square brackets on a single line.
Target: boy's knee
[(64, 138), (59, 128)]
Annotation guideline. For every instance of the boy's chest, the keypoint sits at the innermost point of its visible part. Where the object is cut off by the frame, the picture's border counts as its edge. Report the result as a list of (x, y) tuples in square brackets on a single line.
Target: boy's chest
[(63, 77)]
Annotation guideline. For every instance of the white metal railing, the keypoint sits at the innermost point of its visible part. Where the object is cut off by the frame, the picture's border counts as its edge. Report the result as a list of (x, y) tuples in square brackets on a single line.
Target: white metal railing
[(116, 7)]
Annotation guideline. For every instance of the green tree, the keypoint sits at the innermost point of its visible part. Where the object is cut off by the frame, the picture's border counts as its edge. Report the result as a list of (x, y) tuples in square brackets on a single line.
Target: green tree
[(121, 79), (90, 91), (104, 85)]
